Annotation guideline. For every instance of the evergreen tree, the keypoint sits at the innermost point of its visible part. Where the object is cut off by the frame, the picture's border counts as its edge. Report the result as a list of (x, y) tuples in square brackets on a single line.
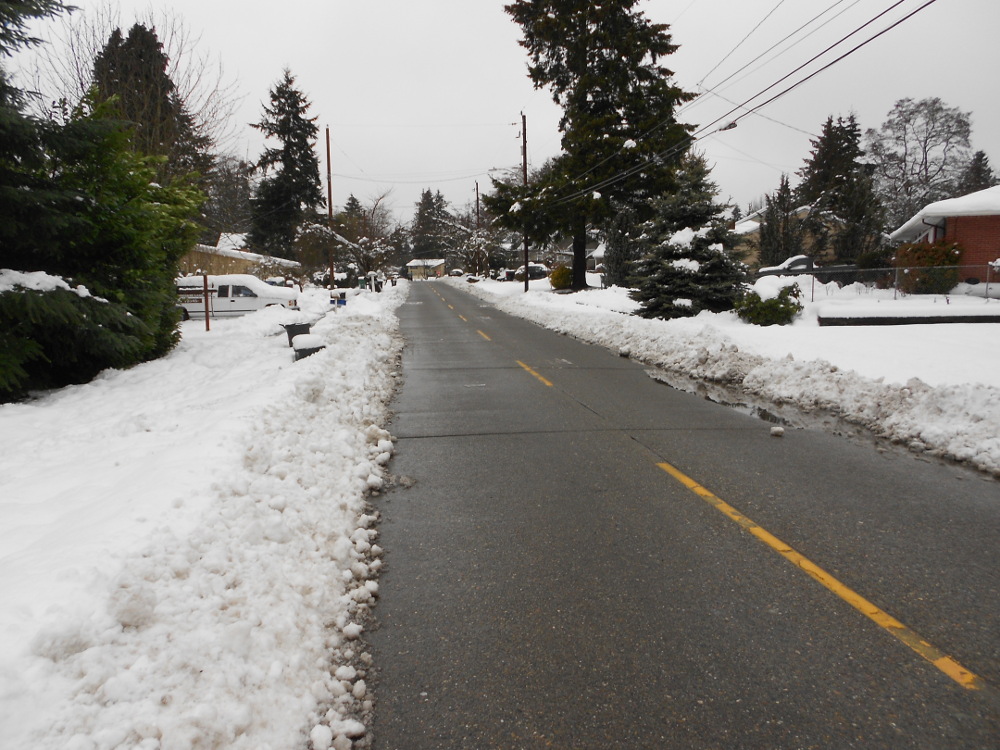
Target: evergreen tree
[(429, 231), (131, 73), (621, 248), (77, 202), (688, 271), (977, 175), (290, 189), (781, 231), (835, 155), (860, 217), (620, 136), (688, 264), (845, 213)]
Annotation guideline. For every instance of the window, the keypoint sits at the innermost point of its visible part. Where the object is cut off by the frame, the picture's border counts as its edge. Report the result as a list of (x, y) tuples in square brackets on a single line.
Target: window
[(242, 291), (224, 290)]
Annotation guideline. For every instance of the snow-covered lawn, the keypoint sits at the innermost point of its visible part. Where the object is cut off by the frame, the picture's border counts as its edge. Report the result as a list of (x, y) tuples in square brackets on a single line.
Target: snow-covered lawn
[(185, 558), (185, 555), (933, 387)]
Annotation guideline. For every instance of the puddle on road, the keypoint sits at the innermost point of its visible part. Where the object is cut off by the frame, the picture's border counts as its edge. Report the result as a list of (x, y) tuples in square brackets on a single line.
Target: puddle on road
[(786, 415)]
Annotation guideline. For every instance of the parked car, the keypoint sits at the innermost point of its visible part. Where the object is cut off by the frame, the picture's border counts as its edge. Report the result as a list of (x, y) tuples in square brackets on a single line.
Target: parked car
[(797, 265), (535, 271), (232, 294), (794, 265)]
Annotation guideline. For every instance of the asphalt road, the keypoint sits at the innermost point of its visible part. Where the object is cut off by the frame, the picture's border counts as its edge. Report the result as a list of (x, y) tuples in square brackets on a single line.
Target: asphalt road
[(580, 557)]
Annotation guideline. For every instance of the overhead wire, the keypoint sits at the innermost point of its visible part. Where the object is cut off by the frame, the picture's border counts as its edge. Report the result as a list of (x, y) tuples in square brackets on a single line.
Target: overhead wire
[(694, 137), (740, 43), (743, 69)]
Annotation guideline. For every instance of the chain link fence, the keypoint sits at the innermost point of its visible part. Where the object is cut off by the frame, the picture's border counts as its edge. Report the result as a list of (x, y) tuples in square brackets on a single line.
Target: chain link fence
[(980, 280)]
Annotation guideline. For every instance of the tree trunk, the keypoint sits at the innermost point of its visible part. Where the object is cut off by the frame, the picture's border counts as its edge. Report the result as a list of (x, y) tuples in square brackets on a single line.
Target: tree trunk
[(580, 251)]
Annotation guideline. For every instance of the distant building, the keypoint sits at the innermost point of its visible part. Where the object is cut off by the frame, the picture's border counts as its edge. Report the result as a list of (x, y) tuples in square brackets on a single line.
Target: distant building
[(229, 256), (973, 221), (425, 268)]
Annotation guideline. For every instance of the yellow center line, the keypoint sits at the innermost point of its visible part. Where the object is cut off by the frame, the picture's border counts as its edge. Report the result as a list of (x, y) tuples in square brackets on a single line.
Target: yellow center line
[(547, 382), (931, 653), (483, 335), (450, 307), (463, 318)]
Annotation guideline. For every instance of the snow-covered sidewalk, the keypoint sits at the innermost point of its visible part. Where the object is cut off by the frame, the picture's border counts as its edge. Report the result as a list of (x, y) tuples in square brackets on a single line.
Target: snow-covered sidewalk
[(185, 558), (935, 388)]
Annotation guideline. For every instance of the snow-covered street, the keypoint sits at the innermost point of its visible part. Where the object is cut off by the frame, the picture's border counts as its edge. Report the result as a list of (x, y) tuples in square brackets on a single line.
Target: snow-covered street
[(186, 555)]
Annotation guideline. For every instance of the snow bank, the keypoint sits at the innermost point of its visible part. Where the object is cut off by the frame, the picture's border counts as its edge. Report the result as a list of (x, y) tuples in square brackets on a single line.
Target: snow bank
[(935, 388), (185, 557)]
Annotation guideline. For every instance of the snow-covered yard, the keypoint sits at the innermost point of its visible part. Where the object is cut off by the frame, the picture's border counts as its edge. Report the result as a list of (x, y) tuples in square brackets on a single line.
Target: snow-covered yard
[(186, 557)]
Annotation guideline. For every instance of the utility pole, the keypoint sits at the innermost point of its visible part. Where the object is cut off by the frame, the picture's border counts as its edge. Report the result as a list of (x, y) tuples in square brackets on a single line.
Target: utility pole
[(479, 239), (478, 220), (329, 200), (329, 178), (524, 169)]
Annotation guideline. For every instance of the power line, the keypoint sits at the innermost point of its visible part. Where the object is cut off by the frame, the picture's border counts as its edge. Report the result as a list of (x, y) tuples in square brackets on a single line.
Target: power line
[(740, 43), (694, 137), (721, 83)]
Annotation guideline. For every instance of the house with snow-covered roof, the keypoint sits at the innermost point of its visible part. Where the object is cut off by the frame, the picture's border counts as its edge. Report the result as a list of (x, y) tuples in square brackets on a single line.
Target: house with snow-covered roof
[(229, 255), (972, 221), (425, 268)]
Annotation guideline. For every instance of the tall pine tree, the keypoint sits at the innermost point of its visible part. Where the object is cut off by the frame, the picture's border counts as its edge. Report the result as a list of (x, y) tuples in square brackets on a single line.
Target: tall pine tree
[(781, 231), (845, 216), (601, 62), (131, 74), (290, 190), (430, 223), (977, 175)]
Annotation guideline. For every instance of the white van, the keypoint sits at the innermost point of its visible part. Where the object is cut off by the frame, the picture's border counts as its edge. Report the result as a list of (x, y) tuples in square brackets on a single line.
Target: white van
[(232, 294)]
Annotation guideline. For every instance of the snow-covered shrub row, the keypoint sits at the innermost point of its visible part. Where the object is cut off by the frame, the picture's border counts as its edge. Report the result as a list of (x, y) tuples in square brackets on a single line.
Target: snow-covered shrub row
[(245, 631), (956, 421)]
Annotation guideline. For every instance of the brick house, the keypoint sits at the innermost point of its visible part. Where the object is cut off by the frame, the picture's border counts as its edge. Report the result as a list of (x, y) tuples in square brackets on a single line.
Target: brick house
[(973, 221)]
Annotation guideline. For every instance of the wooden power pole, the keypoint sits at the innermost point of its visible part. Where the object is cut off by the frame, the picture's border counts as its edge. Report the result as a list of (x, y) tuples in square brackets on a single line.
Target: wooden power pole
[(524, 169)]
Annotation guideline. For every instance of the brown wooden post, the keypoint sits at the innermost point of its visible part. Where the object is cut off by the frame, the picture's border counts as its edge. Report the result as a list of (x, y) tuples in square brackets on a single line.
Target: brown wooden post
[(204, 277)]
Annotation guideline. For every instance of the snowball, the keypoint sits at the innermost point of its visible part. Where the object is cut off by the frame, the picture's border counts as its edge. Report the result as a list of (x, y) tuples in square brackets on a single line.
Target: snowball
[(322, 737), (346, 673)]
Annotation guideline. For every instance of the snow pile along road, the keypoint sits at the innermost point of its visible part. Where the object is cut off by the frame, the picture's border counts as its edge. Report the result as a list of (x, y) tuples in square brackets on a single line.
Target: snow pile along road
[(185, 557), (934, 388)]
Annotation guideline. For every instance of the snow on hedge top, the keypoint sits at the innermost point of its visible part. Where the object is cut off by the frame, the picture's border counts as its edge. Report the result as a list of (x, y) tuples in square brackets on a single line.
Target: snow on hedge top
[(38, 281), (981, 203)]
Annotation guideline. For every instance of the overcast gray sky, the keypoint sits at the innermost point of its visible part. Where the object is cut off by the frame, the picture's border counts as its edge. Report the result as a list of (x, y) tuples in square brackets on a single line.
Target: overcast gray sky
[(428, 93)]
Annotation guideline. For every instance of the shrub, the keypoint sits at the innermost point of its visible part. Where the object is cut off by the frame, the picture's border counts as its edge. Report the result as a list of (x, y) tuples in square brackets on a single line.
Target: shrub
[(928, 268), (561, 277), (779, 310), (51, 339)]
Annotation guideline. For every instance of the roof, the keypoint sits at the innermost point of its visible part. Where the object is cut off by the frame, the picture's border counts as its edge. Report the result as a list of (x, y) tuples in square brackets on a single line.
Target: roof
[(981, 203), (425, 262), (247, 255)]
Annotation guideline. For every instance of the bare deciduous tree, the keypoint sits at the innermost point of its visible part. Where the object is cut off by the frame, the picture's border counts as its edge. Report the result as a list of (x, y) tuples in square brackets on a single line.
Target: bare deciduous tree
[(918, 155)]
